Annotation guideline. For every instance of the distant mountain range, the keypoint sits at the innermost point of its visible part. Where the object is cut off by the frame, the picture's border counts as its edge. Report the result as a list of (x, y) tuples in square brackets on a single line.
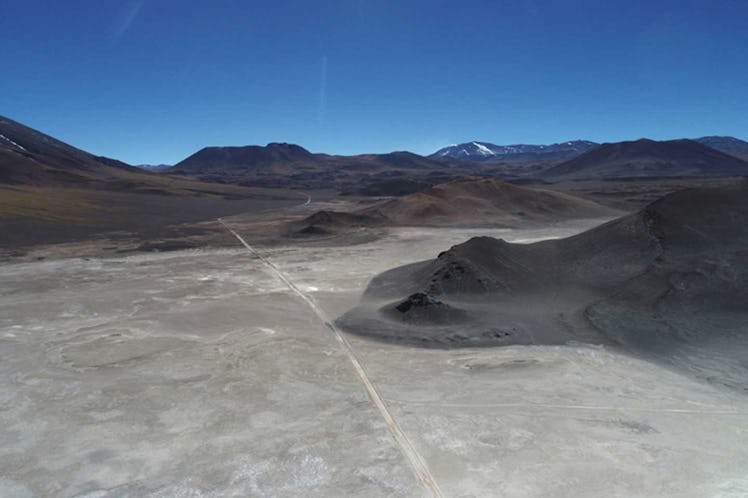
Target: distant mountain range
[(29, 157), (488, 152), (484, 151), (275, 156), (283, 164)]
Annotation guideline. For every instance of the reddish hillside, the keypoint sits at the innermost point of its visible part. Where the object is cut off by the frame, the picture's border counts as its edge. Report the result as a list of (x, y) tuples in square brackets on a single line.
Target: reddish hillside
[(486, 201)]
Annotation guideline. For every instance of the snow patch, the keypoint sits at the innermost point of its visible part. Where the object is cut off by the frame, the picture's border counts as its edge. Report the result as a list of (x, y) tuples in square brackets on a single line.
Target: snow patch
[(12, 142), (482, 149)]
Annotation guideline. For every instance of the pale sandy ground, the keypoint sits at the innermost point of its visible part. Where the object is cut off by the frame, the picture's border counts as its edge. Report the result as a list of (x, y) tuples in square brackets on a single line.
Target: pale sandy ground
[(199, 373)]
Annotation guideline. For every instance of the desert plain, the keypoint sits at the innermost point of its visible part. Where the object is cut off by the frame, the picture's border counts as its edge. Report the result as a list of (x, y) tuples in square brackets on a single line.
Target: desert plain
[(201, 372)]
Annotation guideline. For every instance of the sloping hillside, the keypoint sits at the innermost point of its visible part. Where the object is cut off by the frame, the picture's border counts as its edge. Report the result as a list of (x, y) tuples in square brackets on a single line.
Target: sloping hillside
[(479, 201), (669, 282), (728, 145), (648, 159), (468, 202), (29, 157)]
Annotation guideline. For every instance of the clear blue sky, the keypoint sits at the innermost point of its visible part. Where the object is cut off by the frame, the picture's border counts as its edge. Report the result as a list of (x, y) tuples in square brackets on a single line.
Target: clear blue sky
[(152, 81)]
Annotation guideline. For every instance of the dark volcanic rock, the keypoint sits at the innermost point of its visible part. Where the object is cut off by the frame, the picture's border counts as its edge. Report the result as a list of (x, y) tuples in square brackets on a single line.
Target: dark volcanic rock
[(686, 224), (423, 308), (418, 300), (669, 282), (313, 230)]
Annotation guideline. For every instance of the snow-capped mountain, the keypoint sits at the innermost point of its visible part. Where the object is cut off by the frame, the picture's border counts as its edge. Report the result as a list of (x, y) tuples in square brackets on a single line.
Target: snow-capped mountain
[(485, 151)]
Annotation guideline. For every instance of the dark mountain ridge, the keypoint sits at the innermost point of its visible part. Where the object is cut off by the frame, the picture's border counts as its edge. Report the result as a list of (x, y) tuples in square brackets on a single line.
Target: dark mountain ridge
[(29, 157), (282, 155), (288, 165), (646, 158), (562, 151), (31, 143)]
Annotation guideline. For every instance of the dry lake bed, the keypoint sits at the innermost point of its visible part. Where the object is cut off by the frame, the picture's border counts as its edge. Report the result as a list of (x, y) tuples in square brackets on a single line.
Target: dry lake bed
[(202, 373)]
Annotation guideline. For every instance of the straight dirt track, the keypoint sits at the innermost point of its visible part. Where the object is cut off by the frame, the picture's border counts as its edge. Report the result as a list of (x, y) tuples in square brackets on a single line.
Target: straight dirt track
[(417, 462)]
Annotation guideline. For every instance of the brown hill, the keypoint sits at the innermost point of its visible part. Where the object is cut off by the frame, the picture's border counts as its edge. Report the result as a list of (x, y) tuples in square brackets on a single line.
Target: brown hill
[(648, 159), (467, 202), (669, 282), (480, 201)]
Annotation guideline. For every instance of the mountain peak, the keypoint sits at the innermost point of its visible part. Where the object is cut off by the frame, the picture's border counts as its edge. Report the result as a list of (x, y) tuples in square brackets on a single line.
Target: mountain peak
[(486, 151), (243, 157), (286, 146)]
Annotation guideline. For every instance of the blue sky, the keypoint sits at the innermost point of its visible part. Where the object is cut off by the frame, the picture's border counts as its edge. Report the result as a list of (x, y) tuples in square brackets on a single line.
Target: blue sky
[(152, 81)]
